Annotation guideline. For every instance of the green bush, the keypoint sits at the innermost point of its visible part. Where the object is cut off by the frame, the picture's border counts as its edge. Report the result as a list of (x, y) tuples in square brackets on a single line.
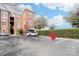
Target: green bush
[(19, 32), (65, 33)]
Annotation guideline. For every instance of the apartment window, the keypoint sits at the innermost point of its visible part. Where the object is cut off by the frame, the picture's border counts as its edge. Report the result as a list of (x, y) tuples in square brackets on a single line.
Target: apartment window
[(18, 25), (17, 18), (4, 30), (4, 15), (30, 14), (3, 23), (4, 20)]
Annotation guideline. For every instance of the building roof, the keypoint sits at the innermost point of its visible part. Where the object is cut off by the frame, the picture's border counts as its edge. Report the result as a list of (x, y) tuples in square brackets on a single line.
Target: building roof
[(13, 8), (29, 10)]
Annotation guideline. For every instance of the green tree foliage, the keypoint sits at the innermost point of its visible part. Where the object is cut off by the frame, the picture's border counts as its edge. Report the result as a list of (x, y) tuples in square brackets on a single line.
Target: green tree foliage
[(19, 32), (40, 22), (74, 16)]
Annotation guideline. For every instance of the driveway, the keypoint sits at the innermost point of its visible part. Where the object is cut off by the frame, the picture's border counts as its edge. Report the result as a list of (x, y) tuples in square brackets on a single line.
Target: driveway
[(23, 46)]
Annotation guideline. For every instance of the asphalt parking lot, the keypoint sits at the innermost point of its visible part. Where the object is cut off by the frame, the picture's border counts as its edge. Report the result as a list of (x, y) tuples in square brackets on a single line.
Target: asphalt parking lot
[(38, 46)]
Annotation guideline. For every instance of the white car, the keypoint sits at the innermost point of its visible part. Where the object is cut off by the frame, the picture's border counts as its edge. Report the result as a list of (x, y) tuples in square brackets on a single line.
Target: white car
[(32, 34)]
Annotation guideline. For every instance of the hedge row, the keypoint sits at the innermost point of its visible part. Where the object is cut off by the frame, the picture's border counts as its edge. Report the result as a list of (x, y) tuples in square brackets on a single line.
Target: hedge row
[(65, 33)]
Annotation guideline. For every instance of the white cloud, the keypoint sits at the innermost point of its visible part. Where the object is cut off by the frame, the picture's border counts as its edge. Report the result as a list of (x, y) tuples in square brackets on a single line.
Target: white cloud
[(50, 6), (37, 4), (59, 22), (20, 8), (40, 16), (61, 6), (37, 16), (67, 7), (46, 16), (23, 6)]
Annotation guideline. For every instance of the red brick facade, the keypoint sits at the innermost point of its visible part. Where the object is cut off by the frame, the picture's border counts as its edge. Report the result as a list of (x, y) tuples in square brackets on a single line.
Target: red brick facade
[(24, 21), (4, 21)]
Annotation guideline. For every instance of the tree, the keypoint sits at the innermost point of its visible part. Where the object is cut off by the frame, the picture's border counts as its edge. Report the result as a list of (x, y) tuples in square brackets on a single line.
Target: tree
[(74, 16), (40, 22), (52, 26)]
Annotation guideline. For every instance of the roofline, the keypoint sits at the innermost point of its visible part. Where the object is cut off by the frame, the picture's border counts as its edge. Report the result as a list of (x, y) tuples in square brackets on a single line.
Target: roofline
[(17, 14), (29, 10), (5, 10)]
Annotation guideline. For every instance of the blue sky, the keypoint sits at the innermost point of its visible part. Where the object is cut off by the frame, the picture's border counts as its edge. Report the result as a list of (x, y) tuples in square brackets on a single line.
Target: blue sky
[(43, 10), (55, 12)]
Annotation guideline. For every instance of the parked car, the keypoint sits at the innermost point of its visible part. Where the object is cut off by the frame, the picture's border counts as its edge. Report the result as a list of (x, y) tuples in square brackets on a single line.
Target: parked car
[(4, 34), (32, 34)]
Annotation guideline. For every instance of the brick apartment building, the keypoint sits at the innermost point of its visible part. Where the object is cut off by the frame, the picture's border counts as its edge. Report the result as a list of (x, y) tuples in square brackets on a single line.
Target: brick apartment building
[(24, 21), (10, 24)]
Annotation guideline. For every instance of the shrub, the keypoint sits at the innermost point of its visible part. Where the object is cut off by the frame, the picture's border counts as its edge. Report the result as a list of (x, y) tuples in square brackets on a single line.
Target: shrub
[(19, 32), (66, 33)]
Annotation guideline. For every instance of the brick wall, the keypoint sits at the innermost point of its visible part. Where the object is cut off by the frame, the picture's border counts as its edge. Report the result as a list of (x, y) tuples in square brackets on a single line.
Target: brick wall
[(17, 22), (4, 21), (27, 20), (24, 21)]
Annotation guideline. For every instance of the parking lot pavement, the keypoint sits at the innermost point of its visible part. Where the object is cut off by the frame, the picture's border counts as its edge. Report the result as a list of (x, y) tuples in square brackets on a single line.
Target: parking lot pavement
[(38, 46)]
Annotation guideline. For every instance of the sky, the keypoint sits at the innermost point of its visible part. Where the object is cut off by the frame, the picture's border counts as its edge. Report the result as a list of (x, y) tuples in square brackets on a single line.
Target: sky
[(54, 12)]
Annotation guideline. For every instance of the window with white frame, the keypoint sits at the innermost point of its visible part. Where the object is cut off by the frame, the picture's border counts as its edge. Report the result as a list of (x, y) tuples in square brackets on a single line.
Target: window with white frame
[(18, 25), (3, 23), (30, 14), (3, 30), (17, 18), (4, 15)]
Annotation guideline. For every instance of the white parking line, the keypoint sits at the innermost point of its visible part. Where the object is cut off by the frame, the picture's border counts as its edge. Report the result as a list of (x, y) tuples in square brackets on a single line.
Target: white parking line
[(58, 42)]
